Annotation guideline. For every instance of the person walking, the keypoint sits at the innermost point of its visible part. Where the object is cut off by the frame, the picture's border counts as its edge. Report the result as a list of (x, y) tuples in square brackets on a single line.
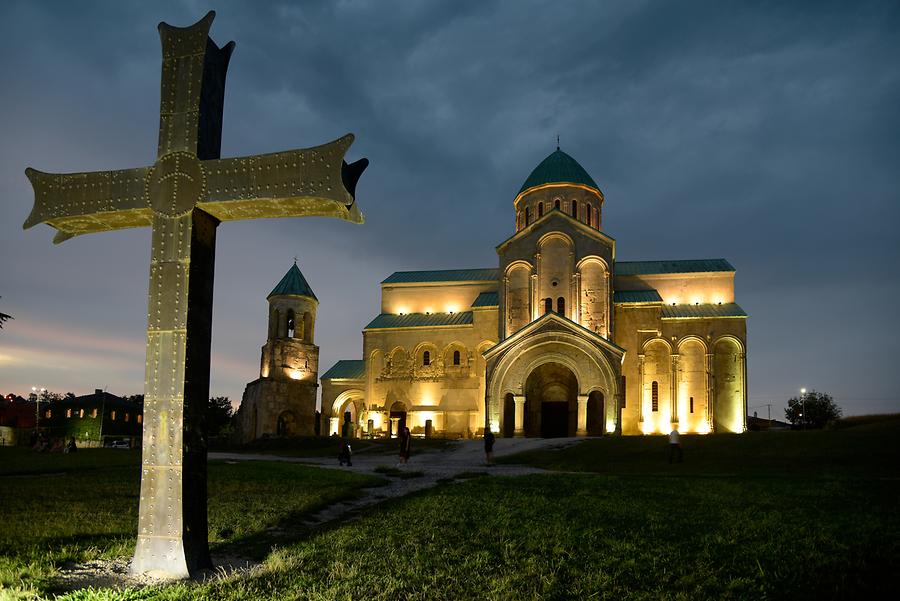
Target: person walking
[(489, 446), (674, 445), (405, 445)]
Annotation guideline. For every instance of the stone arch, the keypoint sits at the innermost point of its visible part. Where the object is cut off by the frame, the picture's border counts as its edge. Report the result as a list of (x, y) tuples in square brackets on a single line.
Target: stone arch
[(729, 405), (691, 385), (594, 294), (596, 413), (398, 361), (591, 367), (286, 424), (518, 296), (657, 368), (551, 401), (449, 355)]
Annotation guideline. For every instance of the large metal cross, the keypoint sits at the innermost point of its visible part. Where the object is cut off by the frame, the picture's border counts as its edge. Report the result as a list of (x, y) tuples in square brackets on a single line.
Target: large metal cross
[(183, 197)]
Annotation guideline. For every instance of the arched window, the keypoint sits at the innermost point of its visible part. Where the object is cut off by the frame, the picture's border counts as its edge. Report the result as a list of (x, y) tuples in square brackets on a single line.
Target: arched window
[(290, 323), (527, 217), (80, 413), (126, 416), (556, 204), (426, 358), (48, 414), (654, 396), (68, 413), (692, 404), (94, 413), (455, 357), (540, 210), (548, 305), (112, 415), (140, 418), (561, 305), (575, 209)]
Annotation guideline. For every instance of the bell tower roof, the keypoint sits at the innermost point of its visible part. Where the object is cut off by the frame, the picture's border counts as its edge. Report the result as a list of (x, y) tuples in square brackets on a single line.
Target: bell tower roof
[(558, 168), (293, 284)]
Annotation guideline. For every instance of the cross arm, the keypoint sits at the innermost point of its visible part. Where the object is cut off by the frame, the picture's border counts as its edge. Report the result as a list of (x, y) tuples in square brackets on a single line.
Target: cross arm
[(309, 182), (84, 203)]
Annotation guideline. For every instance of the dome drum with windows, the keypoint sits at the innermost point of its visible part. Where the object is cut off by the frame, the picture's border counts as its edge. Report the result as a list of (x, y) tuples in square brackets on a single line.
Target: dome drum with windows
[(559, 183)]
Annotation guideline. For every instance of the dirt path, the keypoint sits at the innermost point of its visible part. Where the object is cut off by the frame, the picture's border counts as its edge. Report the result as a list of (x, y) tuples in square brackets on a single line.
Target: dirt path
[(427, 469)]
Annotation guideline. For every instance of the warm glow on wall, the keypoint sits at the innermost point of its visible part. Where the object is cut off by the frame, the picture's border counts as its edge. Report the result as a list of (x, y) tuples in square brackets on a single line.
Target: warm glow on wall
[(333, 426), (452, 309), (610, 426), (402, 310), (495, 426), (703, 428)]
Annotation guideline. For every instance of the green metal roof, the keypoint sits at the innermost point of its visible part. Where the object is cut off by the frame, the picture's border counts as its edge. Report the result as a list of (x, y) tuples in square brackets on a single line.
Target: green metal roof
[(346, 369), (559, 168), (702, 311), (293, 283), (445, 275), (487, 299), (686, 266), (636, 296), (419, 320)]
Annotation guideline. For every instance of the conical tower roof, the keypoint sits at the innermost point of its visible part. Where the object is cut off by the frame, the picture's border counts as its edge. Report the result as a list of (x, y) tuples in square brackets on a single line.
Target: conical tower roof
[(558, 168), (293, 284)]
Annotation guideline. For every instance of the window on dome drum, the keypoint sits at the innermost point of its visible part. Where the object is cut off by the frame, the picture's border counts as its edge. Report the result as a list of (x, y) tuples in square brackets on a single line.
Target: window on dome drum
[(540, 210), (140, 418), (126, 417), (527, 217), (556, 204), (80, 413), (561, 305), (112, 415), (94, 413), (455, 357), (290, 324), (48, 414), (654, 396), (426, 358), (68, 413), (548, 305), (575, 209), (692, 404)]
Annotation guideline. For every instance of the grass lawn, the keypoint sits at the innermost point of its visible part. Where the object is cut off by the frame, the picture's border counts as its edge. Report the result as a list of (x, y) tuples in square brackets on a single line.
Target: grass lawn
[(802, 515), (65, 508)]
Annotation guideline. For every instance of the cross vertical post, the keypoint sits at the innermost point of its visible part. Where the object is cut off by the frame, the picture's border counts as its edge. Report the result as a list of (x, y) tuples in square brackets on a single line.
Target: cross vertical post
[(183, 197)]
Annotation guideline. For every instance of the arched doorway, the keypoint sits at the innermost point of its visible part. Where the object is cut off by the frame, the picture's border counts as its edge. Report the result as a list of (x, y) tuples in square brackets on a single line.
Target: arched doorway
[(286, 425), (595, 414), (397, 418), (551, 401), (509, 416)]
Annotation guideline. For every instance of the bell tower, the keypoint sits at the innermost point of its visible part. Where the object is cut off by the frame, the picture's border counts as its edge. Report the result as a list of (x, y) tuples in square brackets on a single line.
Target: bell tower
[(282, 401)]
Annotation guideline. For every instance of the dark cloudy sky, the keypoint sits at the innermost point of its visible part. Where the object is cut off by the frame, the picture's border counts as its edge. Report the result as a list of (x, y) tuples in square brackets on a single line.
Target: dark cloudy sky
[(768, 134)]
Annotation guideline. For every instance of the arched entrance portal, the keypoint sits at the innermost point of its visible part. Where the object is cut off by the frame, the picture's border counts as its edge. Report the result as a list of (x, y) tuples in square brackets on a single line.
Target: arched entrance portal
[(287, 424), (551, 401), (595, 414)]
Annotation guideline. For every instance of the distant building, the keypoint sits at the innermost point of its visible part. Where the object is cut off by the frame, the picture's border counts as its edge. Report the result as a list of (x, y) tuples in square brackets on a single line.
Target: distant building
[(282, 401), (90, 419), (560, 339)]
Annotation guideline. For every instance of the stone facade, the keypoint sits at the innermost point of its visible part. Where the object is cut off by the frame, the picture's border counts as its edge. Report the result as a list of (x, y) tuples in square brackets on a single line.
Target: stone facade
[(282, 401), (562, 339)]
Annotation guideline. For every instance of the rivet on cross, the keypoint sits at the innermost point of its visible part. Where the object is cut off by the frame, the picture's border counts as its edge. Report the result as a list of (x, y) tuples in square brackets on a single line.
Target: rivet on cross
[(183, 197)]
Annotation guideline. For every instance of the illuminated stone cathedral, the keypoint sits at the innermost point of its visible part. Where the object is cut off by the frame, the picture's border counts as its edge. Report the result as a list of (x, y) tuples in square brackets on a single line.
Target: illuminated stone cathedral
[(559, 339)]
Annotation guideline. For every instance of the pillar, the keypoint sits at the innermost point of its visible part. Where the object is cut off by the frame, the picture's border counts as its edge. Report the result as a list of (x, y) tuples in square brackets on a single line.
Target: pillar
[(520, 416), (582, 416), (395, 427), (673, 391)]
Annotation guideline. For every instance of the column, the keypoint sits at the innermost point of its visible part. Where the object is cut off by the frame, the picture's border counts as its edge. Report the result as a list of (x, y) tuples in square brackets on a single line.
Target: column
[(520, 416), (673, 394), (710, 392), (582, 415), (640, 399), (395, 427)]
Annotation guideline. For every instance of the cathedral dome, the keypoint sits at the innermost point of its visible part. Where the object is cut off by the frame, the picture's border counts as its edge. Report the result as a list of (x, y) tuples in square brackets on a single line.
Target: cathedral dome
[(558, 168)]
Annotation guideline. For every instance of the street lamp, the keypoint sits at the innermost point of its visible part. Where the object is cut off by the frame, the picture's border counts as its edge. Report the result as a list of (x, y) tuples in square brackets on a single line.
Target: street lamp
[(37, 405), (803, 408)]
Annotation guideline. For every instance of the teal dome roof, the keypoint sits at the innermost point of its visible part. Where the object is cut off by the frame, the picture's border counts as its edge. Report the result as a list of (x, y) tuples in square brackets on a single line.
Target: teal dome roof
[(559, 168), (293, 284)]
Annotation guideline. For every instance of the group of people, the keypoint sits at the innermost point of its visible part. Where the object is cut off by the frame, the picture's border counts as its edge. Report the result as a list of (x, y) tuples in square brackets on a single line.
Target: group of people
[(42, 443)]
